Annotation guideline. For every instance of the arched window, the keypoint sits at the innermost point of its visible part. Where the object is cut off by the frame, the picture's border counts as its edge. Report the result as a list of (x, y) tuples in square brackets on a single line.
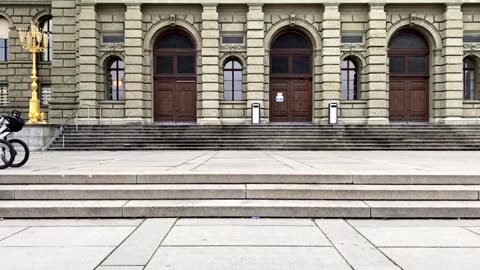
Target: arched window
[(116, 79), (232, 80), (47, 28), (350, 80), (468, 79), (3, 39)]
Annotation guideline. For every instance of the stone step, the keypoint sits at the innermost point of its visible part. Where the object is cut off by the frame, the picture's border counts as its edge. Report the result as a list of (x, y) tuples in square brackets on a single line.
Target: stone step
[(217, 147), (238, 208), (17, 178), (237, 191)]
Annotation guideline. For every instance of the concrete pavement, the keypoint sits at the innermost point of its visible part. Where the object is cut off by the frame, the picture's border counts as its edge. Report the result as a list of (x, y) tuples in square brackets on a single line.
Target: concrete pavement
[(252, 162), (254, 244)]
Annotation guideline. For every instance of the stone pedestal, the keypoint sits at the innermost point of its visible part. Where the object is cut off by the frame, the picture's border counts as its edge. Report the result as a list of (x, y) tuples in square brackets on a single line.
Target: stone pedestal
[(37, 137)]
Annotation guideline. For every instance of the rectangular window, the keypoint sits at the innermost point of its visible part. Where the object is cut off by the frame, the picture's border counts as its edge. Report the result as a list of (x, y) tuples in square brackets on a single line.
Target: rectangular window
[(3, 50), (164, 64), (3, 94), (279, 64), (417, 64), (471, 38), (352, 38), (113, 38), (397, 64), (232, 39), (301, 64), (186, 64)]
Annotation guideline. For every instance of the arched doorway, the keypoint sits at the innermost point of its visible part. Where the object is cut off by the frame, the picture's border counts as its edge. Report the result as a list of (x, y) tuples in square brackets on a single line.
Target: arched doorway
[(291, 78), (409, 77), (174, 76)]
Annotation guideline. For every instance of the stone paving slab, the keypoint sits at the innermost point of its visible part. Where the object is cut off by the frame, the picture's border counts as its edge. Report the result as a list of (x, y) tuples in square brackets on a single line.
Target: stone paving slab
[(69, 236), (435, 258), (52, 258), (420, 236), (251, 258), (352, 244), (245, 236), (355, 249), (141, 245)]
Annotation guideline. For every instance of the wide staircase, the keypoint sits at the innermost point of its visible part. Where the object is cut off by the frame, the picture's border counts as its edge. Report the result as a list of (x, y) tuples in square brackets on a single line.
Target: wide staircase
[(239, 195), (268, 137)]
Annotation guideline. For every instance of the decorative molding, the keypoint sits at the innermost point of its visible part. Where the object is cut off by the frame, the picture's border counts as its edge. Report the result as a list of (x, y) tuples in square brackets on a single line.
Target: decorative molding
[(352, 47), (471, 47), (173, 20), (113, 48), (293, 19), (412, 18)]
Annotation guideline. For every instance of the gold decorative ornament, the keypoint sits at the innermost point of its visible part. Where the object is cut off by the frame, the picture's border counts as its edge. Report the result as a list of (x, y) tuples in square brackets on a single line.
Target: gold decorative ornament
[(35, 41)]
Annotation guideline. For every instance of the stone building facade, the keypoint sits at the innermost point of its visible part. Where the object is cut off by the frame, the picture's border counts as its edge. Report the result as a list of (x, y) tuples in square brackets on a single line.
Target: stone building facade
[(207, 62)]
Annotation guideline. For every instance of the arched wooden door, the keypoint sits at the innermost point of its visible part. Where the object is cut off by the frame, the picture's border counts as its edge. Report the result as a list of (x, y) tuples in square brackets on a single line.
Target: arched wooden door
[(409, 77), (175, 91), (291, 78)]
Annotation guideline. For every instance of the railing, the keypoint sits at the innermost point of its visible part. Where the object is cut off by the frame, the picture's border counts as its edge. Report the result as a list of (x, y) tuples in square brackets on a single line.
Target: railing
[(75, 115)]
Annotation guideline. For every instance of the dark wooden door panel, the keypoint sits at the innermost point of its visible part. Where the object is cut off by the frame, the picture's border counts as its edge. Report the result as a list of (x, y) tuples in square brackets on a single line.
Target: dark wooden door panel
[(164, 101), (279, 110), (408, 99), (301, 92), (186, 101), (397, 106), (418, 100)]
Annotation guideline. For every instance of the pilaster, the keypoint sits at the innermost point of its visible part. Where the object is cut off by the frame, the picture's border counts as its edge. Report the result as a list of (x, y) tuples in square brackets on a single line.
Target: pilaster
[(331, 81), (88, 62), (210, 72), (376, 70), (451, 90), (64, 61), (255, 60), (134, 95)]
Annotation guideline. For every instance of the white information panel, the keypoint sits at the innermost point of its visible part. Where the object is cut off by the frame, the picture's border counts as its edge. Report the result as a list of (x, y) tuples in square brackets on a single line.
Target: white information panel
[(279, 97), (255, 113)]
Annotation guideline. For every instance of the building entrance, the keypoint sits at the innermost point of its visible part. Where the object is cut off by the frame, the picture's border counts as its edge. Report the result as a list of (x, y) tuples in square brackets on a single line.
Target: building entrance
[(291, 78), (409, 77), (175, 94)]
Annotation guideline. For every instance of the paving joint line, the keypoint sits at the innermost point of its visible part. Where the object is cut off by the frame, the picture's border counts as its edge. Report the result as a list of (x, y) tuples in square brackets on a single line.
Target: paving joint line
[(371, 243), (333, 245), (161, 242), (24, 229), (116, 247)]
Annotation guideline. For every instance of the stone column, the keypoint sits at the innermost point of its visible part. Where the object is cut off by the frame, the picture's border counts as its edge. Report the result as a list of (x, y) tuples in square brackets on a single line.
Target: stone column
[(134, 96), (451, 90), (210, 66), (331, 87), (376, 69), (88, 62), (64, 62), (255, 60)]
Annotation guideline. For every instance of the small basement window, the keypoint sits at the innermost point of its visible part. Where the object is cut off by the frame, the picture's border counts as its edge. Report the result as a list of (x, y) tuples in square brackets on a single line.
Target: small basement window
[(117, 38), (471, 38), (3, 94), (352, 38), (232, 39)]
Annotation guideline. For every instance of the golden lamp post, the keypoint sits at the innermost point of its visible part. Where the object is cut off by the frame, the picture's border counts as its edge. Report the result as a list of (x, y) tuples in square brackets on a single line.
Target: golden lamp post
[(35, 41)]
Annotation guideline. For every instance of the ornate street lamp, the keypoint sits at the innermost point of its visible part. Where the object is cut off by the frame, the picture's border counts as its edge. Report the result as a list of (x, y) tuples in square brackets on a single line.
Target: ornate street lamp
[(34, 41)]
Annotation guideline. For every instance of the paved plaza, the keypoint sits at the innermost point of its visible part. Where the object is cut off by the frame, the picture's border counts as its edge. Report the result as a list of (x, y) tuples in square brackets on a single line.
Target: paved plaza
[(253, 244), (252, 162)]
